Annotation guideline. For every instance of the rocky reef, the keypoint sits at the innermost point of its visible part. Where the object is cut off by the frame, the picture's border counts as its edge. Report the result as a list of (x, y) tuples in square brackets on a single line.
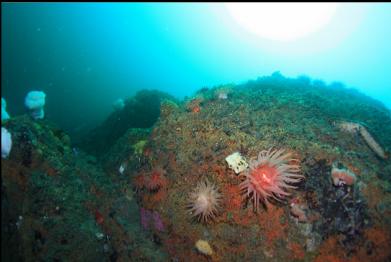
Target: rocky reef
[(132, 204), (139, 111), (58, 204), (320, 221)]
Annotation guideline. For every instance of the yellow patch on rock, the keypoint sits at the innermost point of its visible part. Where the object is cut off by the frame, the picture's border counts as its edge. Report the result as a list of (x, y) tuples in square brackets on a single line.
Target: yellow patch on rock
[(204, 247)]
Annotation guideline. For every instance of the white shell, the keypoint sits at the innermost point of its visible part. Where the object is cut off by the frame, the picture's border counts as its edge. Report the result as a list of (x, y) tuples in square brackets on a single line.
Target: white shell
[(236, 162)]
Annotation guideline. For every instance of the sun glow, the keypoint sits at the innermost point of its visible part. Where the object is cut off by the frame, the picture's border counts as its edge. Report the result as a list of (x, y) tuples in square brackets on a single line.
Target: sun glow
[(282, 21)]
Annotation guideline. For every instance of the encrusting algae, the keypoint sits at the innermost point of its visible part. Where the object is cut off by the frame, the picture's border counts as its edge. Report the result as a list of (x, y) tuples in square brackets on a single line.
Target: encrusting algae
[(139, 147)]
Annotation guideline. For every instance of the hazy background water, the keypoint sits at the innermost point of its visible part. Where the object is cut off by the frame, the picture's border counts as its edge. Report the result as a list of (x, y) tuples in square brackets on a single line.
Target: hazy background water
[(85, 56)]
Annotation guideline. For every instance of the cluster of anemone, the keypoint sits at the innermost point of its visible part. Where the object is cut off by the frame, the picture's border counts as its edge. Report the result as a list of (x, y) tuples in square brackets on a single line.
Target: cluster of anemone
[(270, 177)]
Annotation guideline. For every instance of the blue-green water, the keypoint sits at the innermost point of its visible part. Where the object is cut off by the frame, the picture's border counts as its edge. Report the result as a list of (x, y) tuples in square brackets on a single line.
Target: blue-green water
[(85, 56)]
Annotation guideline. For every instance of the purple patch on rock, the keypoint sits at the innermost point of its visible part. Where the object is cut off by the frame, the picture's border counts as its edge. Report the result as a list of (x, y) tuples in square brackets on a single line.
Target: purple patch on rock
[(157, 221), (146, 217), (151, 220)]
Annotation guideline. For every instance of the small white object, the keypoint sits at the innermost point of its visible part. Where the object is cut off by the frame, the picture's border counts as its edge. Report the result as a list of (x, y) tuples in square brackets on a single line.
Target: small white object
[(19, 222), (99, 235), (121, 169), (6, 143), (236, 162), (223, 95)]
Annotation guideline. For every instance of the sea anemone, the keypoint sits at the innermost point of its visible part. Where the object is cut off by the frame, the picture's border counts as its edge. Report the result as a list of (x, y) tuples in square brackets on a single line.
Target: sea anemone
[(156, 179), (204, 201), (270, 176)]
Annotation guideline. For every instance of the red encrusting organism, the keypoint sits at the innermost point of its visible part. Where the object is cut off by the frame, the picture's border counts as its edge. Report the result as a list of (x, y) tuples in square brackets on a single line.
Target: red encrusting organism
[(139, 182), (99, 217)]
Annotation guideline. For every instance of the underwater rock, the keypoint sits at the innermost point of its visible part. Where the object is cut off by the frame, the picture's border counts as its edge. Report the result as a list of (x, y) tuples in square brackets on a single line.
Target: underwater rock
[(167, 107), (140, 111), (54, 203), (268, 112), (124, 150), (342, 210), (57, 192)]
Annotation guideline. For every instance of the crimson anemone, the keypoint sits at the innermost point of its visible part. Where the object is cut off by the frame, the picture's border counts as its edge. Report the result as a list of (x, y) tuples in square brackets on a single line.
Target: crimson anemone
[(270, 176)]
